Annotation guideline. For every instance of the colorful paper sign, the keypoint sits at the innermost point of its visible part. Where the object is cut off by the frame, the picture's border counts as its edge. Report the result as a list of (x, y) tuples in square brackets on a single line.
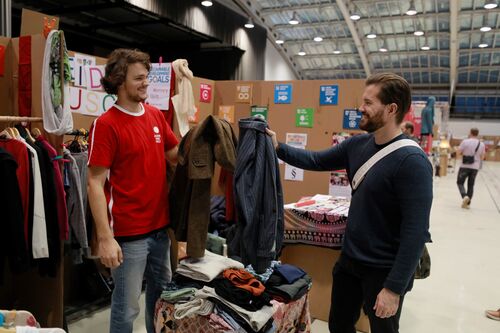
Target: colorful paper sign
[(282, 93), (352, 117), (79, 62), (159, 85), (328, 95), (88, 102), (243, 93), (226, 112), (205, 93), (293, 173), (260, 111), (304, 117), (339, 184), (296, 139), (93, 75)]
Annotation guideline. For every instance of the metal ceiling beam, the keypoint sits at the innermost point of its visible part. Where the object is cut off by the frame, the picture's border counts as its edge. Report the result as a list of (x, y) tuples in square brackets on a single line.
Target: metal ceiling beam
[(355, 36), (309, 25), (281, 9), (478, 68), (333, 70), (246, 6), (381, 70), (326, 55), (410, 53), (480, 51), (454, 45)]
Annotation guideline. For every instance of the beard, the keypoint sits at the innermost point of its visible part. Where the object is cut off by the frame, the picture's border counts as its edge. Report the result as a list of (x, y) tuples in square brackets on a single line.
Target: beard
[(371, 124)]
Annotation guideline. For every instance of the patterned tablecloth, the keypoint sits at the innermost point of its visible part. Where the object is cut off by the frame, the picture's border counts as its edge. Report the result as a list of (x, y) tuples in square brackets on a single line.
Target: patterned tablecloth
[(291, 317), (320, 223)]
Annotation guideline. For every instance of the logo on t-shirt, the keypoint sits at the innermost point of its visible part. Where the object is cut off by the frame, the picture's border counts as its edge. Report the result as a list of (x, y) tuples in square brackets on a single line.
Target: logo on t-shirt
[(157, 134)]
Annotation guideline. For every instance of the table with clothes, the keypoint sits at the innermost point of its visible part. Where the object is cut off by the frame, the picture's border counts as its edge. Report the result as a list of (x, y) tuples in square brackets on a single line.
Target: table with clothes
[(320, 220), (218, 294)]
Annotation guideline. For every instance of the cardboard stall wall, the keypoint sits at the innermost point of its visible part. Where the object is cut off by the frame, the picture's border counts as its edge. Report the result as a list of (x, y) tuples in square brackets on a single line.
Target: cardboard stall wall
[(6, 87), (281, 119), (32, 22), (327, 120)]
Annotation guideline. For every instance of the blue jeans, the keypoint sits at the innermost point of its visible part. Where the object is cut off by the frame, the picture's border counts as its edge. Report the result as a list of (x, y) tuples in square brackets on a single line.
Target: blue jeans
[(147, 258)]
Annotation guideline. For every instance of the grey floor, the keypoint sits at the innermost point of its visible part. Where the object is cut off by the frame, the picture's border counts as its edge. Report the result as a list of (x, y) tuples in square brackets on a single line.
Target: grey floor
[(465, 266)]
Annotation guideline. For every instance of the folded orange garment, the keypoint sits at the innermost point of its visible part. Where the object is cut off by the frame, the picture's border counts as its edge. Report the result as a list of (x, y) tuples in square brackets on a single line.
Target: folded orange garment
[(244, 280)]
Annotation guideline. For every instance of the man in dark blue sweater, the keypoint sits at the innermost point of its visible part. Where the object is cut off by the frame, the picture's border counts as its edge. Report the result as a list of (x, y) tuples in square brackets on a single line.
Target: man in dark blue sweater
[(388, 221)]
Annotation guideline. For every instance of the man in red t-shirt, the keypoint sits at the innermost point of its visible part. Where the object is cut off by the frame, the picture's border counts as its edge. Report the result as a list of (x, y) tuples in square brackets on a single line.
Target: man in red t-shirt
[(127, 189)]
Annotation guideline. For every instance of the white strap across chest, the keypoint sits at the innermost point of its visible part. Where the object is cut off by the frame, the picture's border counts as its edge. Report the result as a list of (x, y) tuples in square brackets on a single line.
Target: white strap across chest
[(360, 174)]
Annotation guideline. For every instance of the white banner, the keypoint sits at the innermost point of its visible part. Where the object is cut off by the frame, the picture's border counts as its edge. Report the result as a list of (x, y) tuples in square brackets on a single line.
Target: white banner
[(79, 61), (88, 102), (159, 85), (93, 75)]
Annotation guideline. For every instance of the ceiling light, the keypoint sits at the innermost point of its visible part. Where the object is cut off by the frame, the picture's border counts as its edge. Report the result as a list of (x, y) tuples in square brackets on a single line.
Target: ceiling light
[(336, 52), (383, 48), (490, 4), (206, 3), (483, 45), (425, 47), (485, 28), (279, 41), (418, 32), (249, 24), (294, 20), (371, 35), (411, 11), (302, 53), (318, 39), (355, 16)]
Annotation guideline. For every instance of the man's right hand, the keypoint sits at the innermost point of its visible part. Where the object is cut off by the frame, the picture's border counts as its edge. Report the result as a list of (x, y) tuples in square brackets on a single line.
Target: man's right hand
[(272, 134), (109, 252)]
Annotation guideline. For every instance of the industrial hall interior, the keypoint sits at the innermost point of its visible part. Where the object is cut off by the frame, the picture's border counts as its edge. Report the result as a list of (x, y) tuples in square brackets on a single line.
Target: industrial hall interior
[(271, 166)]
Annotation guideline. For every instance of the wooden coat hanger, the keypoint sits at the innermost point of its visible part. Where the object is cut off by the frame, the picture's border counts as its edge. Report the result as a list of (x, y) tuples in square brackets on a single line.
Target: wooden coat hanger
[(36, 132)]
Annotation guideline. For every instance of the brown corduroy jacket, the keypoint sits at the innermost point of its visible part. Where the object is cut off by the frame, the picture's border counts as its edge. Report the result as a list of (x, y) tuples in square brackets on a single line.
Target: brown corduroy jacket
[(211, 141)]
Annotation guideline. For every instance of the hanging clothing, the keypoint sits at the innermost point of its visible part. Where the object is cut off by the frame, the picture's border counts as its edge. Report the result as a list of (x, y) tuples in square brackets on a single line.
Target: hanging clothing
[(76, 209), (20, 153), (428, 116), (212, 140), (57, 118), (12, 240), (258, 198), (184, 100), (39, 245), (62, 213)]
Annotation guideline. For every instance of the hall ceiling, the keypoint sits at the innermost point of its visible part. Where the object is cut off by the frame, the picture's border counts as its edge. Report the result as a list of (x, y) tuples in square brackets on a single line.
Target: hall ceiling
[(454, 60)]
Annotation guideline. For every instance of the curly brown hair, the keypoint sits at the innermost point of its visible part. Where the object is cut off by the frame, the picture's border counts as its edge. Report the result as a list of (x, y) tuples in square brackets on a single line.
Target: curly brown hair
[(393, 89), (117, 65)]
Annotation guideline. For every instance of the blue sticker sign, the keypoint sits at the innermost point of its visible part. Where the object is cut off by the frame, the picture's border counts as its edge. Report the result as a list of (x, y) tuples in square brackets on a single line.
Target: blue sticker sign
[(329, 95), (282, 93), (351, 119)]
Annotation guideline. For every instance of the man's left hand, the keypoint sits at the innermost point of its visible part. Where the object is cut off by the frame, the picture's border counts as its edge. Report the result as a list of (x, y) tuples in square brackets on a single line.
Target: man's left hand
[(387, 303)]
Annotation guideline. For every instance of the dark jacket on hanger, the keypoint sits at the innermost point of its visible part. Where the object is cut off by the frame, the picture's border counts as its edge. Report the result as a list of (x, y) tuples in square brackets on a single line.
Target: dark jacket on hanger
[(211, 141), (258, 198), (12, 243)]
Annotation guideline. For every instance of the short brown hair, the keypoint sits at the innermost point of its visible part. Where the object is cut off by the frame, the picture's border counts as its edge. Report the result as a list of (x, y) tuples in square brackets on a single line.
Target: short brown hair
[(117, 65), (409, 125), (393, 89), (474, 131)]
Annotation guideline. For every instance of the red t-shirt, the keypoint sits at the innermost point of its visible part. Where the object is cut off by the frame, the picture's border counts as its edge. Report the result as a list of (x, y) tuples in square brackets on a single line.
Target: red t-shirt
[(132, 146)]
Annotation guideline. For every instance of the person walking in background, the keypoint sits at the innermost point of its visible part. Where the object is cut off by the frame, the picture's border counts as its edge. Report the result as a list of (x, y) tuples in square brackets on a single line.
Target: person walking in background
[(473, 151), (408, 129), (127, 189), (387, 225)]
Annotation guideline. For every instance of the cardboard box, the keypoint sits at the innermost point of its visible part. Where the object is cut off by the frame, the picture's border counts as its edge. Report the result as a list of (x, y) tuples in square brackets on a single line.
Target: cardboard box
[(33, 23)]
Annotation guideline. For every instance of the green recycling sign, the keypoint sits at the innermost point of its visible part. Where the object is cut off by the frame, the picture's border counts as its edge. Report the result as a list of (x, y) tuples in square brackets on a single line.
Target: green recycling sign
[(304, 117)]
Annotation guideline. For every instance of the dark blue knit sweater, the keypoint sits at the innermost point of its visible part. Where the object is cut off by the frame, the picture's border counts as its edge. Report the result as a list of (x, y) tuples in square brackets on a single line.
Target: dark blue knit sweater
[(388, 222)]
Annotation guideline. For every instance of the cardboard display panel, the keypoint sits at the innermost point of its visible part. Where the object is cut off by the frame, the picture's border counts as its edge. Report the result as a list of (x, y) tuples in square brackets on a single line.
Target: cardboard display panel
[(33, 23), (6, 87), (281, 118)]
